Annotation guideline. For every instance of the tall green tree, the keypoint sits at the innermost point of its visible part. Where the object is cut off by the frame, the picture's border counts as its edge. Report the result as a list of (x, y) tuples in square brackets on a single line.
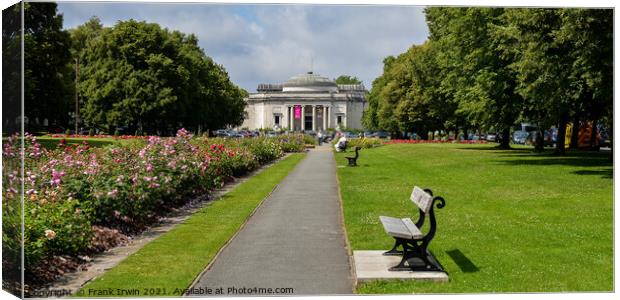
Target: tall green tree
[(563, 58), (590, 32), (153, 80), (83, 34), (475, 72), (346, 79), (48, 86), (11, 69)]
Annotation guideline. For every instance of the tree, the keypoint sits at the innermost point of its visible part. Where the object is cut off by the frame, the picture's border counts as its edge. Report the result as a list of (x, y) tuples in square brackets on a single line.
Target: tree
[(474, 71), (11, 68), (346, 79), (590, 32), (563, 58), (139, 75), (83, 34), (47, 86)]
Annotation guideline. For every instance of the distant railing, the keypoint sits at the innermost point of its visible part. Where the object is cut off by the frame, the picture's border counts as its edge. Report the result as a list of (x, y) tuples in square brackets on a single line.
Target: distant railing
[(352, 87), (269, 87)]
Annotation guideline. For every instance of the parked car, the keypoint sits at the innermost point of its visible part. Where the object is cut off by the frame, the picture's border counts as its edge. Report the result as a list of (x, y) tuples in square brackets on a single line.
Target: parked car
[(56, 129), (551, 137), (491, 137), (381, 134), (476, 136), (350, 135), (246, 133), (520, 137), (368, 134), (221, 133)]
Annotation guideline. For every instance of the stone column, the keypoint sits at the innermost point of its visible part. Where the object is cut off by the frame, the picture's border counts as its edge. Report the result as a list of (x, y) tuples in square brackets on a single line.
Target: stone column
[(291, 118), (313, 117), (324, 117), (329, 117), (303, 118), (288, 117)]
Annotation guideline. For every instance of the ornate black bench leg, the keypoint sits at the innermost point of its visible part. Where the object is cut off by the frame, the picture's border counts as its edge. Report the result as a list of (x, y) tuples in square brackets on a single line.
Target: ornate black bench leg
[(417, 258), (430, 263), (404, 264), (394, 251)]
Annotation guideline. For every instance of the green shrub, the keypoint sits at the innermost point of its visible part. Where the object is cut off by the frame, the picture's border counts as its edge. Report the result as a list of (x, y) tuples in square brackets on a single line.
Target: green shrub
[(364, 143), (309, 140)]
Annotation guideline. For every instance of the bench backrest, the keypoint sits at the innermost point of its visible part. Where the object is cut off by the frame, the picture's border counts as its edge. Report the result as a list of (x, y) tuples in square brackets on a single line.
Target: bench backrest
[(422, 199)]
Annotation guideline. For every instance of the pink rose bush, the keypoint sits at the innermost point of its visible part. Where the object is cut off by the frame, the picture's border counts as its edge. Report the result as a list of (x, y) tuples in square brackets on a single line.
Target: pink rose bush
[(70, 190)]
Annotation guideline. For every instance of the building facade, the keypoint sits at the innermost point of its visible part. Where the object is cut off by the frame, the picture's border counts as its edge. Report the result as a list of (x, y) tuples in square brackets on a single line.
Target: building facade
[(306, 102)]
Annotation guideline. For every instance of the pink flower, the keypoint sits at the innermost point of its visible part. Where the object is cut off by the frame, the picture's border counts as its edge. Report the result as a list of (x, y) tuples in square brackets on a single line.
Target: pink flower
[(113, 193), (56, 177), (149, 167)]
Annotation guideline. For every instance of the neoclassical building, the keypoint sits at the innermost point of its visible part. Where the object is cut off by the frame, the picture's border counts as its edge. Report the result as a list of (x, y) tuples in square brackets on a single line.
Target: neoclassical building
[(306, 102)]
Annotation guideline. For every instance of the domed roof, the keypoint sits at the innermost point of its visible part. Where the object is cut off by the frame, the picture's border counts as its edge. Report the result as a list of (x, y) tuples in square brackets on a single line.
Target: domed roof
[(309, 82)]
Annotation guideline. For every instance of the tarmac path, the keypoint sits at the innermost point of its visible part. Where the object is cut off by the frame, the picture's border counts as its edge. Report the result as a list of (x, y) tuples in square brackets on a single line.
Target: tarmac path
[(294, 244)]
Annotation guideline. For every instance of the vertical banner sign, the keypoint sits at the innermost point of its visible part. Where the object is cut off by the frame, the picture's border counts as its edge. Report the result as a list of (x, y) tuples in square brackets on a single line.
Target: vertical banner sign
[(297, 112)]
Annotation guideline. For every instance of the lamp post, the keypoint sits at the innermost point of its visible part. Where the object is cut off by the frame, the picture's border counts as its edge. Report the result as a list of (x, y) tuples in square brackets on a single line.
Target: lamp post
[(77, 79)]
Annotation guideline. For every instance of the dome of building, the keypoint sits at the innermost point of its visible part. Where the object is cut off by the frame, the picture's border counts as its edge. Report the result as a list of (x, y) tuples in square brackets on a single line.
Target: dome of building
[(309, 82)]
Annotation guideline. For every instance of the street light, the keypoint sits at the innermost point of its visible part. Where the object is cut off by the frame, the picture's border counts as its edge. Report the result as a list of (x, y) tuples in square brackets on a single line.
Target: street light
[(77, 79)]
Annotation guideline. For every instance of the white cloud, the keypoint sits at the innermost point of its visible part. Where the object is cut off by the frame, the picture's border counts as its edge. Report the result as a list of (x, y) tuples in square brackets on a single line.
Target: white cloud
[(270, 43)]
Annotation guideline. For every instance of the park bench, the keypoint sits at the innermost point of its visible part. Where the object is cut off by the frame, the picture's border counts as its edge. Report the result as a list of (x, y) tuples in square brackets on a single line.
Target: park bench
[(408, 235), (353, 160)]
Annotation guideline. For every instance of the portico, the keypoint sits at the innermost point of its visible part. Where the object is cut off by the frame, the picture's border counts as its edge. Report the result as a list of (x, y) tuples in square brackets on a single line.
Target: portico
[(307, 117)]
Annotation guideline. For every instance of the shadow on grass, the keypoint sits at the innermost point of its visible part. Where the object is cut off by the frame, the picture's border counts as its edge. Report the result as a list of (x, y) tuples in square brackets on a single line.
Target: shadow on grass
[(607, 173), (496, 148), (551, 160), (464, 263), (52, 144)]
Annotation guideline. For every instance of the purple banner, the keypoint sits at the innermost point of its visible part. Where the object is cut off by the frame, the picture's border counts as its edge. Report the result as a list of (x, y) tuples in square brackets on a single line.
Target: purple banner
[(297, 111)]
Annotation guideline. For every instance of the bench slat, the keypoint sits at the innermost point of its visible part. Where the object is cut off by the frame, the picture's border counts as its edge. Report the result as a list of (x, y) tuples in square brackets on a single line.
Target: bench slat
[(422, 199), (395, 227), (415, 231)]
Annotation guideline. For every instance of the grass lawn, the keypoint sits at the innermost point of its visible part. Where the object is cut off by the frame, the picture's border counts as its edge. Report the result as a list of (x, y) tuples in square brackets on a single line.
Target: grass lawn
[(514, 221), (171, 262), (49, 142)]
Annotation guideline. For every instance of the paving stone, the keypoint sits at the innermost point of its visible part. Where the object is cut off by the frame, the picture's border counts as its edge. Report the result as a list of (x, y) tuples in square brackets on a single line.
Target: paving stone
[(373, 265)]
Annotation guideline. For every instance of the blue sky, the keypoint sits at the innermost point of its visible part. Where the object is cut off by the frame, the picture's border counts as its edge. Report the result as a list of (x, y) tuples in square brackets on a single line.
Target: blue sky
[(270, 43)]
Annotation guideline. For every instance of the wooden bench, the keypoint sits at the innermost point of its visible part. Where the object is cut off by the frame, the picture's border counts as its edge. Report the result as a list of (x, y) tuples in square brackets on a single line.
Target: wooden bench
[(353, 160), (409, 237)]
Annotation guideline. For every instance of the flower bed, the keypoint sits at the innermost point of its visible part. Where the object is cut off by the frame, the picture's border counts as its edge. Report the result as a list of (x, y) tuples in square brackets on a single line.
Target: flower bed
[(75, 190), (434, 142)]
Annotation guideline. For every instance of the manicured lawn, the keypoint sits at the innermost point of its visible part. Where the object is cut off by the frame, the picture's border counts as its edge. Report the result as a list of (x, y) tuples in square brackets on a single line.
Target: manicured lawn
[(171, 262), (514, 221), (52, 142)]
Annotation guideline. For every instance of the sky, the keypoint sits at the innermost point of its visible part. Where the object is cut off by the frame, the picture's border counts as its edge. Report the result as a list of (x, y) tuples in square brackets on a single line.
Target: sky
[(270, 43)]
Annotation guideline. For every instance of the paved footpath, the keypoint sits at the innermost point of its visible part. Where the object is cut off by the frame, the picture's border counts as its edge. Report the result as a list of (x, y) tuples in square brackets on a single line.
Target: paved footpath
[(294, 240)]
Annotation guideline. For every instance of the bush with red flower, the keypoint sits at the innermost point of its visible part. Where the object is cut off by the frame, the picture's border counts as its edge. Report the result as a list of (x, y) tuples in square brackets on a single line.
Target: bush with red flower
[(72, 189)]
